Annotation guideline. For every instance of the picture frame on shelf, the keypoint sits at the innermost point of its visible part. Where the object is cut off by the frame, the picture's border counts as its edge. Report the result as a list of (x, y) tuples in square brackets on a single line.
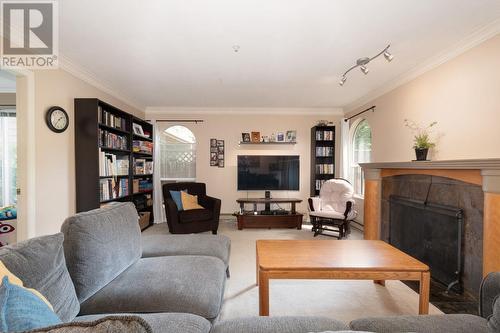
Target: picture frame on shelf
[(255, 137), (280, 137), (265, 138), (137, 129), (291, 136), (245, 137)]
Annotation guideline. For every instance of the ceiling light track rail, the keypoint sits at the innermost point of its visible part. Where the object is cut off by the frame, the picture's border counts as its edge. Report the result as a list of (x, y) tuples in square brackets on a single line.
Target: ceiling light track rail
[(362, 62)]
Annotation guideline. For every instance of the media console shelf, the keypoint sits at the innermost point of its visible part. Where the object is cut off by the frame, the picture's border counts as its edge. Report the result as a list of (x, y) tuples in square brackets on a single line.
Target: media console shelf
[(268, 218)]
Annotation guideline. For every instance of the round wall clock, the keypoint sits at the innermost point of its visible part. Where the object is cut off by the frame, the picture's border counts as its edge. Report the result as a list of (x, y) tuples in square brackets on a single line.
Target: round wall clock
[(57, 119)]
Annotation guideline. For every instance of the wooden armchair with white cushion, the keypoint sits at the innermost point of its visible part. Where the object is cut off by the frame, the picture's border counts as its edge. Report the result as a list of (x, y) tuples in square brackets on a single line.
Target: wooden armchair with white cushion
[(333, 209)]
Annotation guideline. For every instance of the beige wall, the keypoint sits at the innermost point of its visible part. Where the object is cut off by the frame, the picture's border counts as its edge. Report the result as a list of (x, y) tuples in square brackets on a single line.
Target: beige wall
[(222, 182), (7, 98), (462, 95), (55, 160)]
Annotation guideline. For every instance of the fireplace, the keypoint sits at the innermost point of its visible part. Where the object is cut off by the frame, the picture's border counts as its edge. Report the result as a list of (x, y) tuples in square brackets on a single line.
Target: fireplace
[(430, 232), (472, 185)]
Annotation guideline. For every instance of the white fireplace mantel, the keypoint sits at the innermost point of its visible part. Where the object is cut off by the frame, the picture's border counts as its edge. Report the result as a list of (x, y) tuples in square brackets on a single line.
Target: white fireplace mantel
[(469, 164)]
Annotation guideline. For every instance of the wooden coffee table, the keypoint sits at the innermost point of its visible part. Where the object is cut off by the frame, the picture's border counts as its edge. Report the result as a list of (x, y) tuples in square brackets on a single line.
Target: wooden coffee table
[(333, 259)]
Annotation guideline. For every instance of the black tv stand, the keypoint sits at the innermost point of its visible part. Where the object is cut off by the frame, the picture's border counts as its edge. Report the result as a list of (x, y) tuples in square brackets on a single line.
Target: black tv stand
[(268, 218)]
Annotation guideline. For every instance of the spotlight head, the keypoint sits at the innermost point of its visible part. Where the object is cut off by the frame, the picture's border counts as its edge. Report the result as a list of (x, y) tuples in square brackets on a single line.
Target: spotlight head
[(388, 56), (342, 81), (364, 69)]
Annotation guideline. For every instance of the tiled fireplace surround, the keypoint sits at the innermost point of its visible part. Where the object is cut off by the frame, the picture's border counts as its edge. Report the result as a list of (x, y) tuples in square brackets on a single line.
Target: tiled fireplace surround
[(473, 185)]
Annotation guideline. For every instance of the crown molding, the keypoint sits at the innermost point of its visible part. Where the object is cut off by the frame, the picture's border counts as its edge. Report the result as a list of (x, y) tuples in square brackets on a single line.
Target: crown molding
[(156, 111), (92, 79), (477, 37)]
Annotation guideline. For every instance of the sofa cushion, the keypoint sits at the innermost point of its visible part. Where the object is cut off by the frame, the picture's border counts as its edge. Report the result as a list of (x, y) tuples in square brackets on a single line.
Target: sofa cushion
[(158, 245), (164, 322), (39, 263), (191, 284), (278, 325), (194, 215), (494, 319), (451, 323), (101, 244), (110, 324)]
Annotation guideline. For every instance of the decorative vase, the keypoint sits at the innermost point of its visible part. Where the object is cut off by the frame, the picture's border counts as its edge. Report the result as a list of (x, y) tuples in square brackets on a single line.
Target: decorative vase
[(421, 153)]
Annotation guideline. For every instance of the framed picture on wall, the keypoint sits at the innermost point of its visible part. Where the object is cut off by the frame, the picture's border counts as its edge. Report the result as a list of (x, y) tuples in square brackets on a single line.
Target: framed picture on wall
[(214, 160)]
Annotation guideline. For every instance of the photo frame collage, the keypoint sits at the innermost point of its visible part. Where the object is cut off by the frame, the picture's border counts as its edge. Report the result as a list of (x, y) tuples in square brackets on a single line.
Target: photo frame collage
[(217, 153)]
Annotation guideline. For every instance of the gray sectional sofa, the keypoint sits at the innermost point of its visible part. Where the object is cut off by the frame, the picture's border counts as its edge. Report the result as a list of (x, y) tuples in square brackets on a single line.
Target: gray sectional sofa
[(101, 265)]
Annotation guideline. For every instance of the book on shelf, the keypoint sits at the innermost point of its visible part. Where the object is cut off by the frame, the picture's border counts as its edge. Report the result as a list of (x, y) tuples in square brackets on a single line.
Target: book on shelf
[(319, 183), (324, 169), (142, 185), (112, 164), (111, 140), (324, 151), (143, 166), (111, 188), (324, 135), (140, 146), (111, 120)]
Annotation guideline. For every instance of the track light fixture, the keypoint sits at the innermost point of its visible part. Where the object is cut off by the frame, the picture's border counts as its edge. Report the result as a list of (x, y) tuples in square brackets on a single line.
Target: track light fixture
[(342, 81), (362, 62)]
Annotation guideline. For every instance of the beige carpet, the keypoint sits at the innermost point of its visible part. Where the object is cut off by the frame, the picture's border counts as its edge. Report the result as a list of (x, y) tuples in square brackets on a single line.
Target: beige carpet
[(340, 299)]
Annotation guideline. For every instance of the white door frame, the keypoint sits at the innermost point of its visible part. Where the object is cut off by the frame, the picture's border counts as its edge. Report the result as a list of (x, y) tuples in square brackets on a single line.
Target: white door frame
[(26, 158)]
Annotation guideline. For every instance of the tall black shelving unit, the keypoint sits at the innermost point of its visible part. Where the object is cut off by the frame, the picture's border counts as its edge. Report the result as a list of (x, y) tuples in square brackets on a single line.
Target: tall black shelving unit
[(322, 156), (90, 123)]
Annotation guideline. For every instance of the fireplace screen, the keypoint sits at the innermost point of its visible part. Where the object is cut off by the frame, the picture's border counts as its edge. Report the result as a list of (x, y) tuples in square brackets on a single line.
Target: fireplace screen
[(431, 233)]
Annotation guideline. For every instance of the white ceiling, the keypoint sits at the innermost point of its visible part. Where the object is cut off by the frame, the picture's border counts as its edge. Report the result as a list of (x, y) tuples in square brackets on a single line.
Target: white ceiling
[(292, 52)]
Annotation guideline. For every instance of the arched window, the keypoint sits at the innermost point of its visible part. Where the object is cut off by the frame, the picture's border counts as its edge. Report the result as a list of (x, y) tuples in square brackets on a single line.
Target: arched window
[(360, 152), (177, 154)]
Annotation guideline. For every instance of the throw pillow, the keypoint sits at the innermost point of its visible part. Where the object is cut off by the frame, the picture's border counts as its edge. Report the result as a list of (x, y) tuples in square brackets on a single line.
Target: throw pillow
[(39, 262), (111, 324), (16, 281), (21, 310), (190, 201), (176, 196)]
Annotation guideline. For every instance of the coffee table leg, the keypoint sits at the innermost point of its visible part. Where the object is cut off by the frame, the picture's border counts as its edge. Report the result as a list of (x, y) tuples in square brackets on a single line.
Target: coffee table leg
[(381, 282), (425, 280), (257, 268), (263, 294)]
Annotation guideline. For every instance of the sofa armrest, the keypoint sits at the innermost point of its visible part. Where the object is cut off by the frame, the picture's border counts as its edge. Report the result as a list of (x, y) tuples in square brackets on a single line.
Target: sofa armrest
[(489, 293), (210, 203), (314, 204), (172, 211)]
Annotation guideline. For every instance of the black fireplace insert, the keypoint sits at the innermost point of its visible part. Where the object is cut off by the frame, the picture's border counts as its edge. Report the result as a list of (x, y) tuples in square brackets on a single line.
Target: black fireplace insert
[(432, 233)]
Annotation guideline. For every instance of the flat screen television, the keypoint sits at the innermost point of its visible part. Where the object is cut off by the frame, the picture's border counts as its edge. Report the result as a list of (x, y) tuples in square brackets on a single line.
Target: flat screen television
[(268, 173)]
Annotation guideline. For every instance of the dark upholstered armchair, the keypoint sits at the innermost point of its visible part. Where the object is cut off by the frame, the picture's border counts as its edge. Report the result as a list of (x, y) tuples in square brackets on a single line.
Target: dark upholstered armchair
[(195, 220)]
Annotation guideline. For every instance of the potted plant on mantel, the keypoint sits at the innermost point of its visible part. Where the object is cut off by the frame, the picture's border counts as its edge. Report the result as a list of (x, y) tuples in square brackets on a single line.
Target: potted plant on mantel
[(422, 139)]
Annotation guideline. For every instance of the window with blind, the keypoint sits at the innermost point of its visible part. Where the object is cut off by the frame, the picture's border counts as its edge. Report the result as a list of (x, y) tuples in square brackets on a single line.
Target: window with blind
[(8, 157), (177, 154)]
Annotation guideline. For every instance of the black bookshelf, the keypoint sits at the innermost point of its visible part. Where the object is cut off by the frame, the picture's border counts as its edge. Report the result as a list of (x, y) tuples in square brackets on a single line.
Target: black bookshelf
[(322, 156), (101, 132)]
